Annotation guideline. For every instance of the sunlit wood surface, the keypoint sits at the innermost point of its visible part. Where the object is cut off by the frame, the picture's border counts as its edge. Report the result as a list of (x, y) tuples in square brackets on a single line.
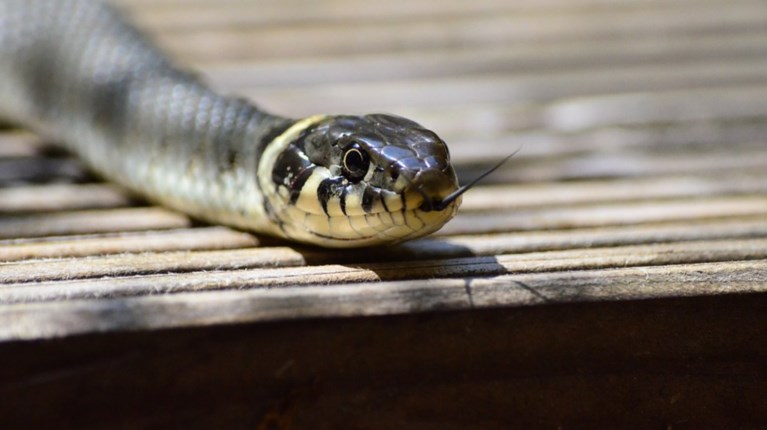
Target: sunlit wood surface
[(618, 262)]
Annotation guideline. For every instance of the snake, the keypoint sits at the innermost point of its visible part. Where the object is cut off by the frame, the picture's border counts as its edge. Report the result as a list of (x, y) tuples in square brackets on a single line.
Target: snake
[(78, 72)]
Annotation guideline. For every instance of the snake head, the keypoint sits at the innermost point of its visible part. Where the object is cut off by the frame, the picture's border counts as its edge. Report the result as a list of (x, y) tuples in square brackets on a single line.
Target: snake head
[(349, 181)]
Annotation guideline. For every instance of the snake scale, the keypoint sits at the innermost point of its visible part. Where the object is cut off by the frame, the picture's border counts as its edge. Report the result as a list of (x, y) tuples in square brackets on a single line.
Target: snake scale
[(77, 71)]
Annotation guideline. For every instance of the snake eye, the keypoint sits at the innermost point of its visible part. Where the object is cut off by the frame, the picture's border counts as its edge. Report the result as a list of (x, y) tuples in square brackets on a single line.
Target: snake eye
[(355, 162)]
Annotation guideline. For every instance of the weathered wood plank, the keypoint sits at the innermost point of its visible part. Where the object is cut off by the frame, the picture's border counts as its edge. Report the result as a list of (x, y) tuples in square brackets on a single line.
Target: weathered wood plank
[(148, 263), (508, 88), (468, 268), (61, 197), (477, 123), (521, 196), (201, 238), (90, 221), (622, 164), (403, 36), (514, 59), (34, 321), (298, 4), (229, 14), (625, 213), (653, 108), (14, 144), (529, 241), (635, 364)]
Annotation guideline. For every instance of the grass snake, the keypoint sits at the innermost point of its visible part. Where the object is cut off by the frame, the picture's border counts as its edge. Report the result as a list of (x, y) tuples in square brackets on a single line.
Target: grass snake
[(78, 72)]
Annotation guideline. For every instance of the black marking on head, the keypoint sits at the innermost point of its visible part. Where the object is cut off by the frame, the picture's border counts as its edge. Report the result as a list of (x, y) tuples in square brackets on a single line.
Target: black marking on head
[(368, 198), (315, 143), (383, 202), (344, 191), (298, 184), (328, 188), (291, 170)]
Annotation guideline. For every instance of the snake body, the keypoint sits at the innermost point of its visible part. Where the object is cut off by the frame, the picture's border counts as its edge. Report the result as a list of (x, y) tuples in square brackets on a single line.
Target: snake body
[(76, 71)]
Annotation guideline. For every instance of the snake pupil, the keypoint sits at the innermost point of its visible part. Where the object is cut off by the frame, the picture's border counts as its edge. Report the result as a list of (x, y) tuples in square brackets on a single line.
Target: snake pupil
[(356, 162)]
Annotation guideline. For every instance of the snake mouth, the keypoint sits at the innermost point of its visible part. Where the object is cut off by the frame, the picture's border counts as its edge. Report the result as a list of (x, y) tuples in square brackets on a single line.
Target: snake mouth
[(382, 228), (439, 204)]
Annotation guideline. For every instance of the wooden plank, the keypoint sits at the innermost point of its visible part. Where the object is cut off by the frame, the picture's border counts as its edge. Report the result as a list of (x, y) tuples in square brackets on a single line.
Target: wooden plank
[(530, 241), (148, 263), (607, 214), (487, 127), (557, 55), (509, 88), (90, 221), (22, 285), (631, 364), (14, 144), (626, 163), (644, 108), (298, 4), (31, 321), (356, 37), (530, 195), (62, 197), (232, 14), (202, 238)]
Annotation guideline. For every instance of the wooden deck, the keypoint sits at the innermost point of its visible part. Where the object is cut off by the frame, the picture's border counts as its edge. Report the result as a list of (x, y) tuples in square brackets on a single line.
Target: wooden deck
[(612, 274)]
